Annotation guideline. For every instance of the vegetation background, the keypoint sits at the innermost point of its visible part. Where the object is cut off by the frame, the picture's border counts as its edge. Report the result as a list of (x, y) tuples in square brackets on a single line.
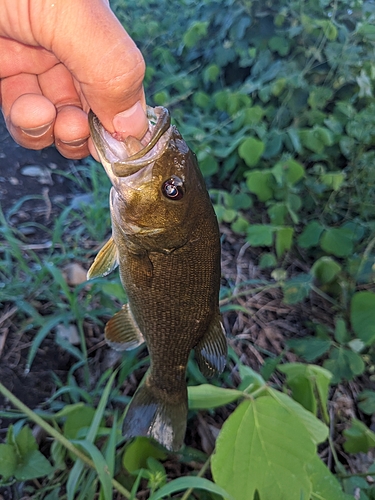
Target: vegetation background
[(277, 100)]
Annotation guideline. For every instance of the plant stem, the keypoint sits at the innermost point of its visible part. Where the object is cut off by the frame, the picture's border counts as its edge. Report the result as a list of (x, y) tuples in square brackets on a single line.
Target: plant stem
[(187, 493), (56, 435)]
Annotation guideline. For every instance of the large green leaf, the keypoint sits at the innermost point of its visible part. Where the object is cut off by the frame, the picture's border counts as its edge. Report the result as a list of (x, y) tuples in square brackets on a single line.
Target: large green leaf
[(315, 427), (362, 316), (263, 447)]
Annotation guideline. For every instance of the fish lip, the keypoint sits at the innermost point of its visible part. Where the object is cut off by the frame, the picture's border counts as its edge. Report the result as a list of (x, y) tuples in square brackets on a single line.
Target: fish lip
[(160, 126)]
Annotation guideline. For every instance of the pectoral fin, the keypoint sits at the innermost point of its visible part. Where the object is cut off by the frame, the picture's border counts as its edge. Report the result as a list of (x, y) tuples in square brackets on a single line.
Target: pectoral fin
[(105, 262), (122, 332), (211, 351)]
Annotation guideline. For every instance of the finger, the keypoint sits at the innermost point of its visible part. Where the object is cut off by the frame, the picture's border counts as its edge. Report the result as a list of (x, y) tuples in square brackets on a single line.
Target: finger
[(72, 132), (71, 129), (92, 44), (18, 58), (29, 115)]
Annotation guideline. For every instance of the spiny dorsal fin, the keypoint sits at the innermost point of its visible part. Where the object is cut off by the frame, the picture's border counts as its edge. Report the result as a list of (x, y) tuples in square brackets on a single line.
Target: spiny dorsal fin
[(105, 262), (122, 332), (211, 351)]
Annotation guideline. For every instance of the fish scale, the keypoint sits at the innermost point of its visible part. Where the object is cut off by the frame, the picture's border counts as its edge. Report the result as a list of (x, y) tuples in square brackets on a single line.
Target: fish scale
[(166, 242)]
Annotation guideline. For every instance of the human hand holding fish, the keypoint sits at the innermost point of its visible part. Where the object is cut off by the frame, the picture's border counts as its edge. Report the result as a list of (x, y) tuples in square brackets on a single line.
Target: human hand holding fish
[(165, 241), (58, 59)]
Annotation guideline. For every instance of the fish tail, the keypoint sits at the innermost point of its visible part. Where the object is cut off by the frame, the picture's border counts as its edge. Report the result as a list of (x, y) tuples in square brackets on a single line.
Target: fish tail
[(155, 414)]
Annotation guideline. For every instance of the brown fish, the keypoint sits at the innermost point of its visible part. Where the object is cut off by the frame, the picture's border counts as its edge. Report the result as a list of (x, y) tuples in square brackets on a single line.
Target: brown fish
[(165, 240)]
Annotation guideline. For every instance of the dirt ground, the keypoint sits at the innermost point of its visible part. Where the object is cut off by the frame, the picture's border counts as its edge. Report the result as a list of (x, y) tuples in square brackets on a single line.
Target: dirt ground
[(33, 174)]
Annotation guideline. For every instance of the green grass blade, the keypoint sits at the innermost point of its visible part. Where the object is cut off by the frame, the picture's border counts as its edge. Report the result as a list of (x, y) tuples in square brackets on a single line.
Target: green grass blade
[(100, 466), (184, 483), (91, 435)]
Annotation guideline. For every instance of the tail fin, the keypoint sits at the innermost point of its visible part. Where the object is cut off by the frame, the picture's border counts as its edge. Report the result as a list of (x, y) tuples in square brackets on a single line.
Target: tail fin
[(152, 416)]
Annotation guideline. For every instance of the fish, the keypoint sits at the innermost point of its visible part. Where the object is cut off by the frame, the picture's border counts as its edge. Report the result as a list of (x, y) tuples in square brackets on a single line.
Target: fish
[(166, 243)]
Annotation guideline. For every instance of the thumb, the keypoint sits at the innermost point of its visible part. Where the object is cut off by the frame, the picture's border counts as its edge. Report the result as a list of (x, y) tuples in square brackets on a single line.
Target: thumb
[(89, 40)]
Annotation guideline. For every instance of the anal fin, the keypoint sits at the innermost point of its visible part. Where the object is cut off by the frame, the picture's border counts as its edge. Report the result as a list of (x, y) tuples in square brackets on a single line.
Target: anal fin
[(122, 332), (211, 351), (105, 262)]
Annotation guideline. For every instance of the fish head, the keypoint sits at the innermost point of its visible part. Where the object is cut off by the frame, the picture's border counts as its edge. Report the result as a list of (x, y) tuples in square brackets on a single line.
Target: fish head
[(158, 190)]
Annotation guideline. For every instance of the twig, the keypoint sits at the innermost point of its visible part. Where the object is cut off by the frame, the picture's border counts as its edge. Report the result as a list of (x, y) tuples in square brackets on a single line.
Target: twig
[(188, 492)]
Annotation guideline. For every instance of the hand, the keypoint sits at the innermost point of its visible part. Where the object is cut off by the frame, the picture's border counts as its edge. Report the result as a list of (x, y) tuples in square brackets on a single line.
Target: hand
[(58, 58)]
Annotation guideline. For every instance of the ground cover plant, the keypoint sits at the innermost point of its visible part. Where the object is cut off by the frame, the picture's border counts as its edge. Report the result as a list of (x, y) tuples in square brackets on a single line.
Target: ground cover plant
[(277, 100)]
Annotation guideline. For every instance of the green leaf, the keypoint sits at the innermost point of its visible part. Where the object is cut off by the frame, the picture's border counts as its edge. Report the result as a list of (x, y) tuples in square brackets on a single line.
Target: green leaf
[(309, 348), (325, 270), (211, 73), (260, 183), (289, 169), (25, 441), (307, 383), (316, 139), (8, 460), (267, 260), (341, 333), (206, 396), (297, 289), (77, 420), (253, 115), (344, 364), (362, 316), (284, 239), (337, 241), (263, 447), (195, 33), (209, 166), (316, 428), (325, 485), (250, 150), (251, 380), (138, 451), (358, 438), (366, 402), (310, 236), (279, 44), (259, 235), (34, 464), (185, 483), (333, 180)]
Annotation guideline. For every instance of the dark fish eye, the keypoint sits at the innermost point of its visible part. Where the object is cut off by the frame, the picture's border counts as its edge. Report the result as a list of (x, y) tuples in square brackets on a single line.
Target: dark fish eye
[(173, 188)]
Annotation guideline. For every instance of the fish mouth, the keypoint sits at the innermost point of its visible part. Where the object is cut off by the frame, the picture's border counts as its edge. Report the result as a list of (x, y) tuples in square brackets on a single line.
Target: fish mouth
[(118, 157)]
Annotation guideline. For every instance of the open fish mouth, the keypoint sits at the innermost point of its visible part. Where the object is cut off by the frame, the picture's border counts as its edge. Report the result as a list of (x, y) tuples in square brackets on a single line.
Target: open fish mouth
[(119, 158)]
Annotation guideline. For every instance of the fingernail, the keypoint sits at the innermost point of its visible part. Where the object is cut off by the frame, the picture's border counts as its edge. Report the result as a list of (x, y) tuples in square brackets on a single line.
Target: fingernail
[(75, 144), (37, 131), (132, 121)]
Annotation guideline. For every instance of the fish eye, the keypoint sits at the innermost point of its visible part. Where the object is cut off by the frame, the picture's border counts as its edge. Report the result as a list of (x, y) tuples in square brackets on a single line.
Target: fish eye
[(173, 188)]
